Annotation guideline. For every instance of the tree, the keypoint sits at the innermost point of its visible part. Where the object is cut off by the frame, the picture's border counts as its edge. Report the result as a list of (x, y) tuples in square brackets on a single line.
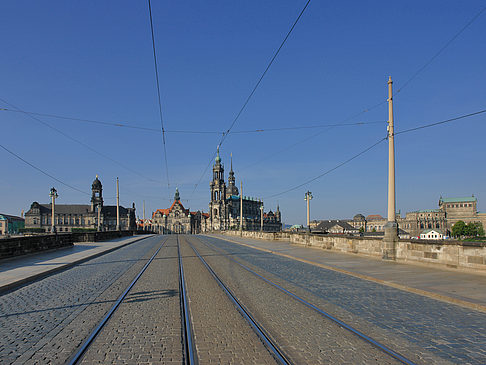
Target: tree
[(361, 229), (459, 229)]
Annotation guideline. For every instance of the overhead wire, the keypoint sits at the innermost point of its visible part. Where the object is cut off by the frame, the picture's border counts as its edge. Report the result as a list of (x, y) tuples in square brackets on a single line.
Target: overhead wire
[(447, 44), (224, 136), (158, 93), (78, 141), (93, 121), (374, 145), (42, 171), (414, 75), (124, 125)]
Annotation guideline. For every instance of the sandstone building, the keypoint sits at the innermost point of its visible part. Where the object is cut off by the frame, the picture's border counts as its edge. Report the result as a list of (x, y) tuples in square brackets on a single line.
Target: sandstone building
[(449, 212), (177, 219), (224, 207), (69, 217)]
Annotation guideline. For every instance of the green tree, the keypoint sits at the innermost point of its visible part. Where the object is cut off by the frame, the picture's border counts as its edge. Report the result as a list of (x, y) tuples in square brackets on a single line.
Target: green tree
[(480, 229), (361, 229), (459, 229)]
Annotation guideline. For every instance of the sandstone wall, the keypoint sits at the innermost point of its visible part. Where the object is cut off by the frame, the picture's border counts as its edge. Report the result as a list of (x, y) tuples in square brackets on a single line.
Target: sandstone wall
[(16, 246), (447, 253)]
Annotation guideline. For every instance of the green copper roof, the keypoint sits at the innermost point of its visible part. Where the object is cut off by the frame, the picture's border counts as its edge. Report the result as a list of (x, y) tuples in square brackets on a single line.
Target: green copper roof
[(459, 200)]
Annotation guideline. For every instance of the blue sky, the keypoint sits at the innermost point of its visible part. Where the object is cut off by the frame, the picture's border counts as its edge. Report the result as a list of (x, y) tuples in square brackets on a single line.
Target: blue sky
[(93, 60)]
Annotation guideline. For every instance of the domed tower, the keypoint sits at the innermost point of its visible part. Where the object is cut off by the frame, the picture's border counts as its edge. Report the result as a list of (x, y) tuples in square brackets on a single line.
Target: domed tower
[(96, 194), (232, 189), (217, 208)]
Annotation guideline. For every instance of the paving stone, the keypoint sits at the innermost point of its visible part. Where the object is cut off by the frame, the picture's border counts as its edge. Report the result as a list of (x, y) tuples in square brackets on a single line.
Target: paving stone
[(32, 317)]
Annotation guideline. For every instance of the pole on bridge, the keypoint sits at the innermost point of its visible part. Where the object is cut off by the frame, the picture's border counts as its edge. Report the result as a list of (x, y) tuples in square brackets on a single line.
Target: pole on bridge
[(308, 198), (391, 227), (241, 208), (261, 218), (53, 195), (117, 205)]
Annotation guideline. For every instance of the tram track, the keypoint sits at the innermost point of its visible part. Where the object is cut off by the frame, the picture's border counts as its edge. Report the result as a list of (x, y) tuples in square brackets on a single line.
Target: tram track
[(359, 334), (78, 356)]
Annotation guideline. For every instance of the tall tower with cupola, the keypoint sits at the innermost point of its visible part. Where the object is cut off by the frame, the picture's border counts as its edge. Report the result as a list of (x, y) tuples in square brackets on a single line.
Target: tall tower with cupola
[(232, 189), (96, 194), (217, 207)]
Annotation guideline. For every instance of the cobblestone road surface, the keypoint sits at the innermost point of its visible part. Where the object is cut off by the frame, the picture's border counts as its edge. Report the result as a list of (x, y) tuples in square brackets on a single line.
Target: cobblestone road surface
[(414, 323), (222, 335), (303, 334), (44, 321), (146, 327)]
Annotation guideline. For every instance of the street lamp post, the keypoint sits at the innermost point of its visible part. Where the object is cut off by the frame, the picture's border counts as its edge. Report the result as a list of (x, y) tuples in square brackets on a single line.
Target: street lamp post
[(308, 197), (53, 195), (261, 219)]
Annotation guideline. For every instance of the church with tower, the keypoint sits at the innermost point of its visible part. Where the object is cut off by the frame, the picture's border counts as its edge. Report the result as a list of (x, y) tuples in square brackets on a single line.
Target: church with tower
[(224, 207), (78, 217)]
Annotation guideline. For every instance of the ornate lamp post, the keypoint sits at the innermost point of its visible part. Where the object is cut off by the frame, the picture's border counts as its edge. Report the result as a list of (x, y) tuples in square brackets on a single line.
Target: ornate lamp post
[(53, 195)]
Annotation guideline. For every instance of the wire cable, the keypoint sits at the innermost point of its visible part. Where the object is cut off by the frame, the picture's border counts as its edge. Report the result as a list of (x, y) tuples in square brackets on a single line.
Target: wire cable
[(330, 170), (225, 134), (79, 142), (106, 123), (264, 73), (158, 93), (42, 171), (447, 44), (374, 145), (441, 122)]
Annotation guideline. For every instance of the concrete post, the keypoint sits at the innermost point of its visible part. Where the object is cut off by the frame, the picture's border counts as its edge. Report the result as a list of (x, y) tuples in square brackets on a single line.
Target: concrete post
[(308, 198), (117, 205), (53, 195), (391, 227), (241, 208)]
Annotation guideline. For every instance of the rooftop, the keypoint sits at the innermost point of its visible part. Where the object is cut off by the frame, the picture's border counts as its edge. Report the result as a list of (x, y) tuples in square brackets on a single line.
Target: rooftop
[(459, 200)]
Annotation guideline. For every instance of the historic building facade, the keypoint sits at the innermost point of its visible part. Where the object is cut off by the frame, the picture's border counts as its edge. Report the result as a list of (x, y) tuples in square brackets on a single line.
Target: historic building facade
[(73, 216), (224, 207), (450, 211), (10, 224), (177, 219)]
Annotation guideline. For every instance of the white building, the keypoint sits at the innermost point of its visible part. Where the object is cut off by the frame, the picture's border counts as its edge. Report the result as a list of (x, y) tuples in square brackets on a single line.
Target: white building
[(431, 234)]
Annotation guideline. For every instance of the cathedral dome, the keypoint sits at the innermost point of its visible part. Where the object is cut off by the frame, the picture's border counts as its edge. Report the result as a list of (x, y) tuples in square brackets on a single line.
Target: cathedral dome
[(96, 183), (359, 217)]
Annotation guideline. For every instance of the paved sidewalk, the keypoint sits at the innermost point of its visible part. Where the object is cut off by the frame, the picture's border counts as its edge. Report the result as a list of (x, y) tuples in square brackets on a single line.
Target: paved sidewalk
[(465, 289), (19, 270)]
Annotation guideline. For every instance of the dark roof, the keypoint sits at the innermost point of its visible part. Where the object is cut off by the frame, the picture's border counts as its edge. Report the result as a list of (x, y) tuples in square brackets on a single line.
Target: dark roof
[(67, 208), (324, 226), (13, 217), (110, 210)]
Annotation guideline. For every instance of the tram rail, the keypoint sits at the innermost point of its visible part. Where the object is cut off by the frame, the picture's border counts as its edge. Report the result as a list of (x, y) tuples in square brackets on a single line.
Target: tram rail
[(382, 347)]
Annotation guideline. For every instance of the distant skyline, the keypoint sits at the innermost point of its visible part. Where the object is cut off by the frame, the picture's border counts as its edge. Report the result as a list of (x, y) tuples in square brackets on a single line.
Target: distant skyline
[(94, 61)]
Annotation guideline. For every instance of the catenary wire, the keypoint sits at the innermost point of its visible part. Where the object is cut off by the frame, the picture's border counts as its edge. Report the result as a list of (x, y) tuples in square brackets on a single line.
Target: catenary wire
[(122, 125), (252, 92), (447, 44), (42, 171), (441, 122), (93, 121), (414, 75), (374, 145), (79, 142), (158, 93), (330, 170)]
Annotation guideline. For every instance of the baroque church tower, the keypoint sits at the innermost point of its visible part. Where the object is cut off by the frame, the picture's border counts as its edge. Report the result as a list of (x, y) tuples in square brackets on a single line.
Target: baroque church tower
[(232, 189), (96, 194), (217, 207)]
